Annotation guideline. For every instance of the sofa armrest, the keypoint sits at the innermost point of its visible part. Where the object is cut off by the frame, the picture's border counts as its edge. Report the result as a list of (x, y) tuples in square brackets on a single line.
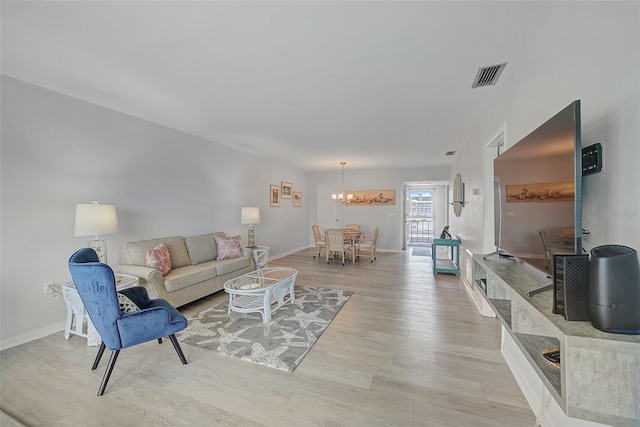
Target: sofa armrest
[(150, 278)]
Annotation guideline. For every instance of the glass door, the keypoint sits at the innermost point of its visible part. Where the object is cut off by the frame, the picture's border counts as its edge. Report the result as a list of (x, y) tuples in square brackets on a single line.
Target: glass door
[(419, 215)]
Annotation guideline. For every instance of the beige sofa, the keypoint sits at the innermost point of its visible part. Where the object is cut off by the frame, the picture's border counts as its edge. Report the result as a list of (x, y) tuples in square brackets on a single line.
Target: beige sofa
[(195, 272)]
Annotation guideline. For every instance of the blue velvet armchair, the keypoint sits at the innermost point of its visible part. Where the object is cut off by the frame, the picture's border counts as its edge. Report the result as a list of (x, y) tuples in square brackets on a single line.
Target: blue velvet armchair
[(96, 286)]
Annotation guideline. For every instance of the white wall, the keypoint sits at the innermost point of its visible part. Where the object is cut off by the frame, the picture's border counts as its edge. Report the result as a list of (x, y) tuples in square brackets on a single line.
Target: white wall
[(389, 218), (58, 151), (582, 50)]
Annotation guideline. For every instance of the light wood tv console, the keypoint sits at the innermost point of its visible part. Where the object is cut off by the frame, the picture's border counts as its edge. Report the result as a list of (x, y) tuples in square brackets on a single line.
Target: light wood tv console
[(599, 379)]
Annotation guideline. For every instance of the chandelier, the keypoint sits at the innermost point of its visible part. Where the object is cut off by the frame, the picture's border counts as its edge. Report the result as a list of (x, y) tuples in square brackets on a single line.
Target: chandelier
[(339, 197)]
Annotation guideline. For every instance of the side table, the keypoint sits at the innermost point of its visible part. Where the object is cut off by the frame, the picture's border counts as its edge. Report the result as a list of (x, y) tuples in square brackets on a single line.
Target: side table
[(441, 265), (260, 256), (76, 314)]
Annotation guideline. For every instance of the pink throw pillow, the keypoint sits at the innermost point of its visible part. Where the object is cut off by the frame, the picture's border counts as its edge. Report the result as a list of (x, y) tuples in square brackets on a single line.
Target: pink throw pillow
[(228, 247), (158, 257)]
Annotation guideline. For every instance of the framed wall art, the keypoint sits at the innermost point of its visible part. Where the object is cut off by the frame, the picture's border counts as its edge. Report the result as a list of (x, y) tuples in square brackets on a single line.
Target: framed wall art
[(370, 197), (286, 190), (274, 195), (297, 199)]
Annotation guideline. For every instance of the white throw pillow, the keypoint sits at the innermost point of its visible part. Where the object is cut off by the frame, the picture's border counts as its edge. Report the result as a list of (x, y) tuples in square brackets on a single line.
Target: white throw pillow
[(126, 305)]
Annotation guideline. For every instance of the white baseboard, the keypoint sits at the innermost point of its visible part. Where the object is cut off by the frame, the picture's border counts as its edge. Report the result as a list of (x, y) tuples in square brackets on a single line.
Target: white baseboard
[(292, 251), (33, 335)]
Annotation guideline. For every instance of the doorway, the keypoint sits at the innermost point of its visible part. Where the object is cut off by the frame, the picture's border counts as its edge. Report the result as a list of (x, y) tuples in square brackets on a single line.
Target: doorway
[(419, 214), (329, 214)]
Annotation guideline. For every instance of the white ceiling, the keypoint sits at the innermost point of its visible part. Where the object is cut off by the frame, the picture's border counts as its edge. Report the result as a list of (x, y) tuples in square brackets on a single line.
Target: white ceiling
[(375, 84)]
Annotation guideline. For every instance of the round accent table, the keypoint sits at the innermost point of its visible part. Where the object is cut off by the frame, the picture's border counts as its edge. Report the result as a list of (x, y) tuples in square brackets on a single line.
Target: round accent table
[(260, 256)]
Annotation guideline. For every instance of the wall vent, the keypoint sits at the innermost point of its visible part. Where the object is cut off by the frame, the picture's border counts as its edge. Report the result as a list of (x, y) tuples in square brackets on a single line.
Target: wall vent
[(449, 153), (488, 76)]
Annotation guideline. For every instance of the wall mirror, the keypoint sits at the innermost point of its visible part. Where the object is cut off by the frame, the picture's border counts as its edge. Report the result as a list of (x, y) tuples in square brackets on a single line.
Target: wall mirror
[(458, 195)]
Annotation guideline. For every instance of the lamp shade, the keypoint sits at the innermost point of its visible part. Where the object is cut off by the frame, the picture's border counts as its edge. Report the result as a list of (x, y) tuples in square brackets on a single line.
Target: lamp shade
[(250, 215), (95, 219)]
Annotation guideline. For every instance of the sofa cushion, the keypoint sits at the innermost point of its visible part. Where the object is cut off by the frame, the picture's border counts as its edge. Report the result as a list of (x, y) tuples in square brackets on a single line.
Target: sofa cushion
[(134, 253), (230, 265), (189, 275), (158, 257), (202, 248), (228, 247)]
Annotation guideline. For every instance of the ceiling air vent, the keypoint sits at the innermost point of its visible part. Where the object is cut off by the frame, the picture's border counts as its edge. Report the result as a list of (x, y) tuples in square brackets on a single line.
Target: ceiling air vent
[(450, 153), (488, 76)]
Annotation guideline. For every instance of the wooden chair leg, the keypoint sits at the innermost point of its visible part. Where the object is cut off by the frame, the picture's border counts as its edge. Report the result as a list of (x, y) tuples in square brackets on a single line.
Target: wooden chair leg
[(107, 373), (98, 356), (176, 345)]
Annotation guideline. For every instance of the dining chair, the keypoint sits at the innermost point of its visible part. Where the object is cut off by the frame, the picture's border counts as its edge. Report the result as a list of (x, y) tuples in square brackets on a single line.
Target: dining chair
[(319, 238), (336, 243), (369, 245), (551, 249), (547, 252)]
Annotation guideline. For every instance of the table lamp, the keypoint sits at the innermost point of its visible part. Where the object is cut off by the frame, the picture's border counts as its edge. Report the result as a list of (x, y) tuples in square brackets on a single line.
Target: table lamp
[(95, 219), (250, 215)]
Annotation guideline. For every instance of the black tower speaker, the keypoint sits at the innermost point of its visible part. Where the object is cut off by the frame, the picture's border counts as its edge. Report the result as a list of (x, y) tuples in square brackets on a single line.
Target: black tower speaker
[(614, 289), (571, 286)]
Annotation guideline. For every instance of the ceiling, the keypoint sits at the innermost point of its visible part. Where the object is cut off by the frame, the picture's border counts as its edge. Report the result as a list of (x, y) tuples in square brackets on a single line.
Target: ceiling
[(375, 84)]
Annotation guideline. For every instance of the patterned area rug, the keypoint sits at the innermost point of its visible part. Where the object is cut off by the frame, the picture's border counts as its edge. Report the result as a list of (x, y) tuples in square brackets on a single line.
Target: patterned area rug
[(281, 343), (420, 251)]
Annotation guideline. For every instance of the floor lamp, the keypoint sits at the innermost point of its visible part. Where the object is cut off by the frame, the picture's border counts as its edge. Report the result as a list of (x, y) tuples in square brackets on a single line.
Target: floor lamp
[(94, 220), (250, 215)]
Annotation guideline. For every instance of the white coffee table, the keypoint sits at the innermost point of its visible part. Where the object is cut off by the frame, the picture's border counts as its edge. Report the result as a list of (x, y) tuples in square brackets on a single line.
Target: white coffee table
[(262, 291)]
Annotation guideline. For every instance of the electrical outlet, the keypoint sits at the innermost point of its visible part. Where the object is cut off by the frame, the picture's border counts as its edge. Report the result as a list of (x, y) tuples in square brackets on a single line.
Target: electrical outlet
[(48, 288)]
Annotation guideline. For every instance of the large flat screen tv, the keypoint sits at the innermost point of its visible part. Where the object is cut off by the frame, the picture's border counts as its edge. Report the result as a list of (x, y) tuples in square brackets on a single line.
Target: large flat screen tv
[(538, 188)]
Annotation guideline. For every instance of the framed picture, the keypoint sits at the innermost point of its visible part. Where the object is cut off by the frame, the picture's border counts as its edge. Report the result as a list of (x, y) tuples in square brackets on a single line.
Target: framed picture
[(297, 199), (274, 195), (371, 197), (286, 190)]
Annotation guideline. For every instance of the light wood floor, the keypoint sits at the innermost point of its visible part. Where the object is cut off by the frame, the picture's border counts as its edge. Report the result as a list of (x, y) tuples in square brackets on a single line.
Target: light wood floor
[(407, 349)]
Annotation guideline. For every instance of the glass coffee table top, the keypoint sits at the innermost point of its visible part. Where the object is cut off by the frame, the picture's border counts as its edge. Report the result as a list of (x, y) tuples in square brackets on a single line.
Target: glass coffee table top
[(260, 279)]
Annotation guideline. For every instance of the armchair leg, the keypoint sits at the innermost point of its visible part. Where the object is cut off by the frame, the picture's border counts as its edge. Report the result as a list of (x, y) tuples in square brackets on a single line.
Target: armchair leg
[(107, 373), (176, 345), (98, 356)]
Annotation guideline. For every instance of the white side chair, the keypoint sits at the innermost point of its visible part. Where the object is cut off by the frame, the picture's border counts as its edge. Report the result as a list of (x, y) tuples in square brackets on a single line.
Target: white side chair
[(319, 238), (369, 245), (336, 243)]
